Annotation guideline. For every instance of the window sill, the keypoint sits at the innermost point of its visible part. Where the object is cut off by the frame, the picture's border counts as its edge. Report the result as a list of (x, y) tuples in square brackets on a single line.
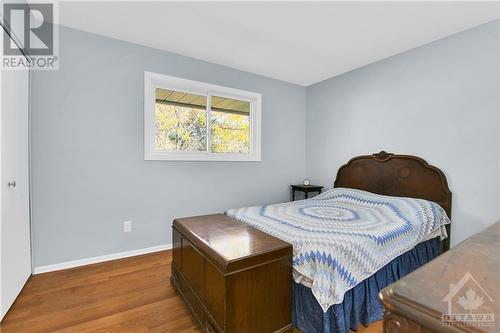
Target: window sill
[(201, 156)]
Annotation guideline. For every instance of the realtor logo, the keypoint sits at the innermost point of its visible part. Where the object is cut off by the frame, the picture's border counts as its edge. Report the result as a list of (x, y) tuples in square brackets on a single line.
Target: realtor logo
[(32, 25), (466, 299), (31, 29)]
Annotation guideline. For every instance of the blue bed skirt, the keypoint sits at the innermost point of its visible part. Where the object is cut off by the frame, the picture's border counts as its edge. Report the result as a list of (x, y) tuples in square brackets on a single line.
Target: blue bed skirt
[(361, 304)]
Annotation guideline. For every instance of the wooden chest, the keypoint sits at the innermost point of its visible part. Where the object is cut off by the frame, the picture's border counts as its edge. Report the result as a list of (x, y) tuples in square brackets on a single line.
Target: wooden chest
[(233, 278)]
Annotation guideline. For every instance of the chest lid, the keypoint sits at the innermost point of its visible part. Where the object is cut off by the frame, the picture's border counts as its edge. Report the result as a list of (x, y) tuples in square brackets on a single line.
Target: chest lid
[(231, 245)]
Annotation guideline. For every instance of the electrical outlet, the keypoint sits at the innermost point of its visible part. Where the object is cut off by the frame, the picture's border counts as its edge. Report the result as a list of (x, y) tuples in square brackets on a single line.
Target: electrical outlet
[(127, 226)]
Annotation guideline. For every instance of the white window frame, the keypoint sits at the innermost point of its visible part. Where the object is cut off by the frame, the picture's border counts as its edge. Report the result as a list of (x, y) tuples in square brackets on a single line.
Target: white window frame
[(155, 80)]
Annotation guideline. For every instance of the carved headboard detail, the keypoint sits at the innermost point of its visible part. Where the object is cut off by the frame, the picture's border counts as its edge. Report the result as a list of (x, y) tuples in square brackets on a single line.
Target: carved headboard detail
[(396, 175)]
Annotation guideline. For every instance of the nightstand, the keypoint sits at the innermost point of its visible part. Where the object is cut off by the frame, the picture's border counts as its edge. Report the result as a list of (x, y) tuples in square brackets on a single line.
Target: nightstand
[(306, 189)]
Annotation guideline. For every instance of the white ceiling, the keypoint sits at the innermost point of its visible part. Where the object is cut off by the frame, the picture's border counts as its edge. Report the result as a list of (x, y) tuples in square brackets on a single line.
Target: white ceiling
[(298, 42)]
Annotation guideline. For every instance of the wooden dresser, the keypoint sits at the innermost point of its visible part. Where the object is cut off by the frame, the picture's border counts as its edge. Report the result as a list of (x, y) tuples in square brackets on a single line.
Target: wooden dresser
[(232, 277), (456, 292)]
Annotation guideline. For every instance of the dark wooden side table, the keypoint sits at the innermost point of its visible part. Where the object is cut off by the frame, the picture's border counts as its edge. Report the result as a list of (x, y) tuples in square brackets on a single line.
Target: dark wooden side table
[(306, 189)]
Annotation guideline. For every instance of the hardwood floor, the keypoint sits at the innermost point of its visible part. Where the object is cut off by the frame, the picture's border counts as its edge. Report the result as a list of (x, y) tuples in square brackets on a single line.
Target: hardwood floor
[(127, 295)]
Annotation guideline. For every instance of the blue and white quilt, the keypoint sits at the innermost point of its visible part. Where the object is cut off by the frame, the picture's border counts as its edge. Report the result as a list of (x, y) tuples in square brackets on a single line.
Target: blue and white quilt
[(344, 236)]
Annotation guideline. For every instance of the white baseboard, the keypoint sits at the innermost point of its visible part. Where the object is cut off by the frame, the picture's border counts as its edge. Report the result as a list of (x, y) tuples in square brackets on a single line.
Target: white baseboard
[(95, 260)]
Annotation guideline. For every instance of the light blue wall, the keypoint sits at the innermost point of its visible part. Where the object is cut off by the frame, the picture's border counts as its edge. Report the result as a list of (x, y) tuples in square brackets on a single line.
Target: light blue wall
[(439, 101), (87, 160)]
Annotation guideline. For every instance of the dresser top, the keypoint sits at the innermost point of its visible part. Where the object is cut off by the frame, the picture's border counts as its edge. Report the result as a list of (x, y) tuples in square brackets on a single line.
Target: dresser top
[(231, 244), (463, 280)]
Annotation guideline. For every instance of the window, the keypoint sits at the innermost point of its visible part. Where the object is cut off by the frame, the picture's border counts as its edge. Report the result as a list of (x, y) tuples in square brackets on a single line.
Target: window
[(188, 120)]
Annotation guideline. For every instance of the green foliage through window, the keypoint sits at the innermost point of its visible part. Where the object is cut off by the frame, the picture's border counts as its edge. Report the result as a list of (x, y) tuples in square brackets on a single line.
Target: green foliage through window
[(180, 128), (229, 132), (181, 123)]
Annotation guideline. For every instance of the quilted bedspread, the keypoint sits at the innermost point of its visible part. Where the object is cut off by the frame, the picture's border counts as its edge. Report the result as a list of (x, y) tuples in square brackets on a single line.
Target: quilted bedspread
[(343, 236)]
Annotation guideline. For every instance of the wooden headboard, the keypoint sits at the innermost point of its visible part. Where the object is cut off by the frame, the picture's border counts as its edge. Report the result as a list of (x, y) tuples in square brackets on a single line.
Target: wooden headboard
[(397, 175)]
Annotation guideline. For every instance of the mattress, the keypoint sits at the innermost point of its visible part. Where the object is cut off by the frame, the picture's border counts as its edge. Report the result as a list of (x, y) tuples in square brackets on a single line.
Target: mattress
[(343, 236)]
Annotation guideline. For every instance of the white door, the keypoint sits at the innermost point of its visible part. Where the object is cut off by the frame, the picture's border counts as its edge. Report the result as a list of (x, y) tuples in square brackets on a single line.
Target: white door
[(15, 253)]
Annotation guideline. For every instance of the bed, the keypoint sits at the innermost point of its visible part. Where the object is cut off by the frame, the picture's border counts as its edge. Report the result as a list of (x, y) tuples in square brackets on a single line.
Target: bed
[(386, 216)]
